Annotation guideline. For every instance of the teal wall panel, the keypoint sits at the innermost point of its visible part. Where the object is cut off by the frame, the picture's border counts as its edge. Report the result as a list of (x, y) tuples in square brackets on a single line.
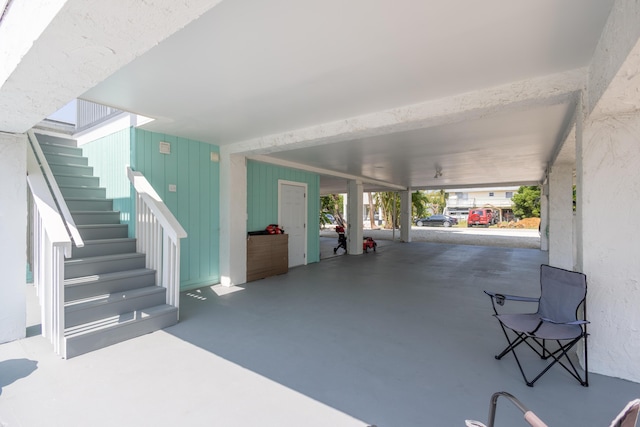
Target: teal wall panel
[(109, 156), (195, 203), (262, 200)]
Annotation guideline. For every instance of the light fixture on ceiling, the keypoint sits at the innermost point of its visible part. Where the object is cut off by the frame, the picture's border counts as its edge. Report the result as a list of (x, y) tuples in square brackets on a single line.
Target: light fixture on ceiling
[(438, 172)]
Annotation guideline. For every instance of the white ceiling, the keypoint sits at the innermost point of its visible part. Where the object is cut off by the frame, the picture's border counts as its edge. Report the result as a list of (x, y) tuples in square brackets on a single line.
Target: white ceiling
[(249, 69)]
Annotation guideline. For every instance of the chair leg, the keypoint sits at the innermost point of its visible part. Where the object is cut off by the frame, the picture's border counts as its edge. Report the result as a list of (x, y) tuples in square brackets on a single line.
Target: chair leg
[(557, 355), (511, 348), (558, 359)]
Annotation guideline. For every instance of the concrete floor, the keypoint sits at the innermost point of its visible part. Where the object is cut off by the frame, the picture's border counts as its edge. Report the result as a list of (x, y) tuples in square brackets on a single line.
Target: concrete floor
[(402, 337)]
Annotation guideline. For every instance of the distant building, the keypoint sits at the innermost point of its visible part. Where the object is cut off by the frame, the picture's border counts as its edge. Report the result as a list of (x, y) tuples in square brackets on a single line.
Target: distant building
[(499, 199)]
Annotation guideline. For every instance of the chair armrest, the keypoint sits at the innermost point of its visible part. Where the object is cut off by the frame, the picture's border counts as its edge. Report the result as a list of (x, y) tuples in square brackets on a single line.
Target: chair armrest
[(574, 322), (501, 298)]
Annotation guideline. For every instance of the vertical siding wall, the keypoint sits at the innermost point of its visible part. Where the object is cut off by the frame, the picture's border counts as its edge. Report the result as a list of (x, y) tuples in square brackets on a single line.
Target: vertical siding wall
[(109, 157), (262, 200), (195, 203)]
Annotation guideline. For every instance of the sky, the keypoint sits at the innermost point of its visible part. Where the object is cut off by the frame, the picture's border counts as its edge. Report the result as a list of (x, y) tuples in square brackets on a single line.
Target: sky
[(66, 114)]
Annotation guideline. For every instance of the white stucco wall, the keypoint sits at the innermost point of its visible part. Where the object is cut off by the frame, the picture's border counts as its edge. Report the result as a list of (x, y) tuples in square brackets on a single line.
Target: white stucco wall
[(610, 153), (544, 217), (560, 239), (13, 224)]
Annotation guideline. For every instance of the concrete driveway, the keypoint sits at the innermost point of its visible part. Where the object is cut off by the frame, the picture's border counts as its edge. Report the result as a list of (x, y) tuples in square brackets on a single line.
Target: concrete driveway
[(498, 237)]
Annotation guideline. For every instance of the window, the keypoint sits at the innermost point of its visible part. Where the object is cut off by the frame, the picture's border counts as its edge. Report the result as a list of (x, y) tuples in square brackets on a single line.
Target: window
[(491, 194), (508, 194)]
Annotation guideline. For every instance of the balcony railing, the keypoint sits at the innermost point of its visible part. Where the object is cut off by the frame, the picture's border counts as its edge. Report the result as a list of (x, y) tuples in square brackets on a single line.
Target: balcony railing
[(90, 114), (478, 202)]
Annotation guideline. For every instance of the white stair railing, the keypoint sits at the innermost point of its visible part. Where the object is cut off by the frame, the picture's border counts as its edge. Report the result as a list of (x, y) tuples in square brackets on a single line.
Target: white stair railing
[(51, 245), (158, 235), (62, 207)]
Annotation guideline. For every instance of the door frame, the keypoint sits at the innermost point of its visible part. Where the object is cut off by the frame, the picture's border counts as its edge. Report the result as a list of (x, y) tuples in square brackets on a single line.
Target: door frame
[(304, 185)]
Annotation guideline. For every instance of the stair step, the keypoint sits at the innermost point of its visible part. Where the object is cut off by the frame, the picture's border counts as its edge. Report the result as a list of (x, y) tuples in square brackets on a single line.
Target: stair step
[(99, 247), (66, 159), (78, 180), (70, 169), (95, 217), (82, 191), (79, 204), (91, 266), (105, 332), (103, 231), (100, 284), (89, 310), (56, 140), (60, 149)]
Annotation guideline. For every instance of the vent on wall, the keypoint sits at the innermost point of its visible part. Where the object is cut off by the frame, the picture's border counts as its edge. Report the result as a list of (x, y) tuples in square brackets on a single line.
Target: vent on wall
[(165, 148)]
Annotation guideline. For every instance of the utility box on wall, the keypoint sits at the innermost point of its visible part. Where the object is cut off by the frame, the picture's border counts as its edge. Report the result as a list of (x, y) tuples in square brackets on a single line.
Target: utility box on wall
[(267, 255)]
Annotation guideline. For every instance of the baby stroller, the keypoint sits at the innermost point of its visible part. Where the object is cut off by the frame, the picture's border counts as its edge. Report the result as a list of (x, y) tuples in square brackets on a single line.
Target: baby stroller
[(342, 240)]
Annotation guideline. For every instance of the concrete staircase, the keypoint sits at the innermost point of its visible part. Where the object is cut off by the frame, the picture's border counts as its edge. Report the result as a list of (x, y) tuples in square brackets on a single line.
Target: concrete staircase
[(109, 294)]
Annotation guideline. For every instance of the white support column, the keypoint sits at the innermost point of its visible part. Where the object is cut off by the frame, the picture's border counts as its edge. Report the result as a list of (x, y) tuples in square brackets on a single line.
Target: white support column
[(608, 207), (561, 216), (13, 229), (354, 218), (233, 219), (579, 240), (544, 216), (405, 216)]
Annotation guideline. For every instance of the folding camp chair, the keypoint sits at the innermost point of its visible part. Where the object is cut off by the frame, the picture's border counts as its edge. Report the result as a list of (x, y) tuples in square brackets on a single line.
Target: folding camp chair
[(626, 418), (562, 293)]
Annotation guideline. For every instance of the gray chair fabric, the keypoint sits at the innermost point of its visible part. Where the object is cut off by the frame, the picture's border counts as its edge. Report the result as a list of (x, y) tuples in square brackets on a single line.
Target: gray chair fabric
[(562, 293)]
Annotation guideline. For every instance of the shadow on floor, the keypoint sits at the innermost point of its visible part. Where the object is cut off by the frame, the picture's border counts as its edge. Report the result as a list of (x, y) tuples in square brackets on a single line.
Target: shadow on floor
[(401, 338), (14, 369)]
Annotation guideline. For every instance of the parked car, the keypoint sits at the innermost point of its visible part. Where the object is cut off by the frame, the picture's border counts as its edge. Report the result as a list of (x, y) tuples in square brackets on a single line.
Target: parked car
[(327, 220), (437, 221), (483, 217)]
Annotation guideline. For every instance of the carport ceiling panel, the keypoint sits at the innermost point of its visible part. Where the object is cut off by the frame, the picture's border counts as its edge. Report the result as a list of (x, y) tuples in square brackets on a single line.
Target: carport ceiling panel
[(510, 147), (251, 68)]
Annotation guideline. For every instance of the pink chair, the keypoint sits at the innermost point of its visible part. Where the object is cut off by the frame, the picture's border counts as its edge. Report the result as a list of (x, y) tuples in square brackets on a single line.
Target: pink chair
[(626, 418)]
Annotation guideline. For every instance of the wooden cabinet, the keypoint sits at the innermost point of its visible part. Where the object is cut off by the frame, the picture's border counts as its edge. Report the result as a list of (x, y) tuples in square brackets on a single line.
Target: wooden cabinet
[(267, 255)]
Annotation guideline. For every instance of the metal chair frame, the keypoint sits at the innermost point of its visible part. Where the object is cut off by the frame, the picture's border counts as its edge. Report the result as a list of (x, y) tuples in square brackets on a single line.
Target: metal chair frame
[(628, 417), (560, 355)]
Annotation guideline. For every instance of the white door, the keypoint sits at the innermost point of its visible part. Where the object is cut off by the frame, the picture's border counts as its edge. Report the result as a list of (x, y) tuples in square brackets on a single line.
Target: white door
[(292, 213)]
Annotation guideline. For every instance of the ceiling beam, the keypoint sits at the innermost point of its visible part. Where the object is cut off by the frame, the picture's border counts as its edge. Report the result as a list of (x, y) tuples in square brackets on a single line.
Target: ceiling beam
[(516, 96), (322, 171)]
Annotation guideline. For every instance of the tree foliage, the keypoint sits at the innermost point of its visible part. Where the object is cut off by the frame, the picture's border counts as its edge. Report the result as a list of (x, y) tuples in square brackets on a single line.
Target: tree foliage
[(437, 201), (331, 203), (389, 202), (526, 202), (419, 200), (427, 203)]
